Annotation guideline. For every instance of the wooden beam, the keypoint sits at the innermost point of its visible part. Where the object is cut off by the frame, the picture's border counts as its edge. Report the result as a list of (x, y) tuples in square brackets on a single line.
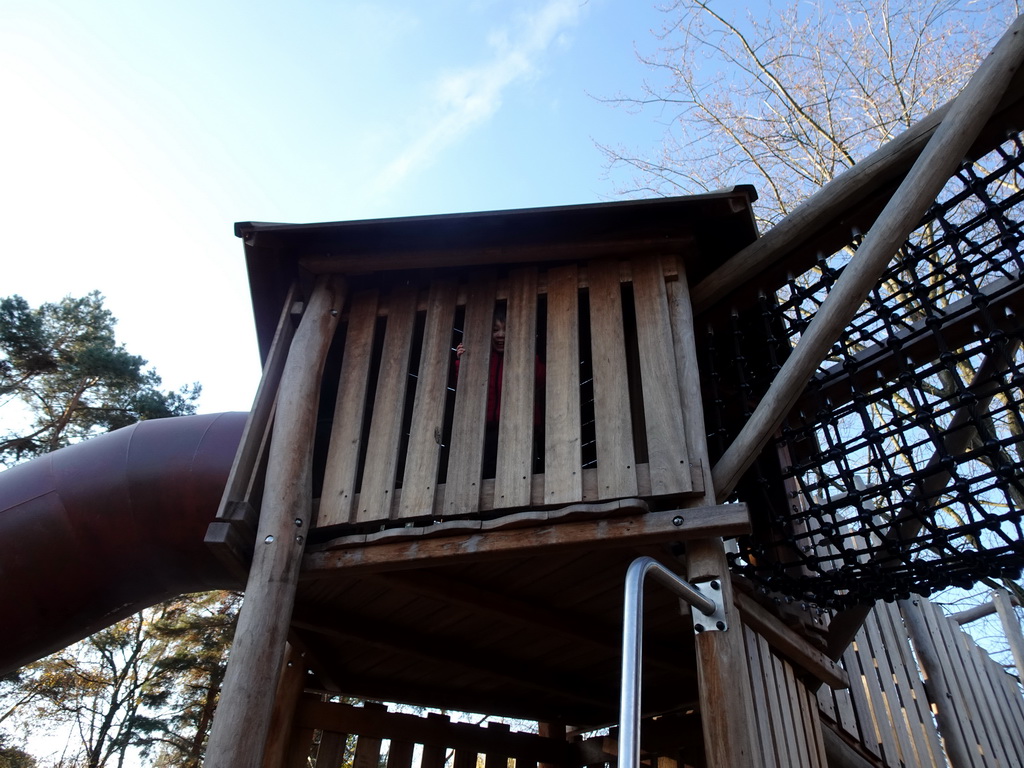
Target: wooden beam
[(289, 689), (231, 534), (243, 715), (930, 173), (677, 525), (1011, 627)]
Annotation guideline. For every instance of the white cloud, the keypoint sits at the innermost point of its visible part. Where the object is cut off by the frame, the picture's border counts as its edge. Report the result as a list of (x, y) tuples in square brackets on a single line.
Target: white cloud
[(465, 99)]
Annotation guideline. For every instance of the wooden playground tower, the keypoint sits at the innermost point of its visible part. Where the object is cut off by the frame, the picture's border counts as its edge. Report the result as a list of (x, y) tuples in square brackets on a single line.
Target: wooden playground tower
[(396, 551)]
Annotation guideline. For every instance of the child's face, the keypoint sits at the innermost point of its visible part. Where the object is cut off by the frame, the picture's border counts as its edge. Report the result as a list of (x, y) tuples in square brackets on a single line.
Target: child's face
[(498, 336)]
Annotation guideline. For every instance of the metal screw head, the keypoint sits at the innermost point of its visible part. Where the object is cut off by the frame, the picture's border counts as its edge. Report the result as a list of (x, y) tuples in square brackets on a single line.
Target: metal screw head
[(698, 628), (677, 520), (715, 585), (721, 626)]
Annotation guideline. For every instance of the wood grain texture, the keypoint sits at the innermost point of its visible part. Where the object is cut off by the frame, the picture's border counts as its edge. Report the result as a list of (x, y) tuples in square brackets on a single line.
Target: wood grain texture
[(377, 490), (424, 453), (243, 715), (666, 433), (563, 478), (616, 458), (655, 527), (465, 462), (515, 432), (342, 469)]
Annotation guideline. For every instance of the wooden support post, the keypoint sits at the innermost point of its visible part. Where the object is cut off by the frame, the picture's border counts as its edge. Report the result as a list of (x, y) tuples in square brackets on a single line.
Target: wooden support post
[(930, 173), (1011, 628), (725, 694), (945, 698), (243, 716)]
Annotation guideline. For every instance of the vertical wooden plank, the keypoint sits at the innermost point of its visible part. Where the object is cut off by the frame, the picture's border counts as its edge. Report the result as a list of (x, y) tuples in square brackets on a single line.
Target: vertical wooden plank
[(986, 718), (869, 736), (815, 738), (616, 459), (331, 753), (243, 715), (367, 753), (464, 758), (666, 433), (465, 460), (434, 754), (421, 462), (563, 473), (515, 433), (400, 754), (684, 344), (929, 642), (496, 758), (919, 718), (890, 699), (773, 691), (761, 692), (879, 714), (347, 432), (378, 487)]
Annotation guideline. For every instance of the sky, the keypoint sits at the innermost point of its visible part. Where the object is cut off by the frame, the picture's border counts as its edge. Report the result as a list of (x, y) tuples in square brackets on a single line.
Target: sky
[(136, 133)]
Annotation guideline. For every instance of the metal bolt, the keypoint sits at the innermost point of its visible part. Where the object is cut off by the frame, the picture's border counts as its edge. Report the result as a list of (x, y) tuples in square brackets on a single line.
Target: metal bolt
[(269, 540), (721, 626), (677, 520), (715, 585), (698, 628)]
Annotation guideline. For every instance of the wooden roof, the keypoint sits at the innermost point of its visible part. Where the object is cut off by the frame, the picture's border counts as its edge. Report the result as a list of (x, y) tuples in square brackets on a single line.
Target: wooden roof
[(714, 226)]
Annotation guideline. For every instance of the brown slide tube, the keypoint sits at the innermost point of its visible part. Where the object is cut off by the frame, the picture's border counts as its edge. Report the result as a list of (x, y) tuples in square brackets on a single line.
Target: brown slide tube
[(95, 532)]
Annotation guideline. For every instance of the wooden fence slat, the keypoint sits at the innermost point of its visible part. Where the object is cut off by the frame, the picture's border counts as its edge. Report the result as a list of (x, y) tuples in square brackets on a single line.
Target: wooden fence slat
[(331, 753), (685, 345), (377, 490), (858, 692), (434, 754), (368, 747), (563, 474), (666, 433), (792, 702), (616, 458), (464, 758), (957, 703), (515, 431), (815, 738), (917, 714), (879, 715), (400, 754), (899, 726), (346, 434), (776, 710), (427, 426), (465, 462), (991, 725), (492, 758), (759, 682)]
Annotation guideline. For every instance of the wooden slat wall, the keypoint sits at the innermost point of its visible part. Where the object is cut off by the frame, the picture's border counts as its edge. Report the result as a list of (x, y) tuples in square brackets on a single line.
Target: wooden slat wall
[(993, 718), (786, 710), (374, 414), (888, 710), (414, 741)]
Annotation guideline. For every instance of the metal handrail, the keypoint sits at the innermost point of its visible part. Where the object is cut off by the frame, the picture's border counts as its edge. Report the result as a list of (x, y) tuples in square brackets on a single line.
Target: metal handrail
[(632, 645)]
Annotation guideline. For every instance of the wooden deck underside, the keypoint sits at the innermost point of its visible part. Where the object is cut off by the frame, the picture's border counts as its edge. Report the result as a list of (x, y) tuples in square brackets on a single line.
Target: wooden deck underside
[(531, 636)]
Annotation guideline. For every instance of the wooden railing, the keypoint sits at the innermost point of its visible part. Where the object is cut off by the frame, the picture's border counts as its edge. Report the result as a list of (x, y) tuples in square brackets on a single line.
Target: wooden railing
[(335, 735)]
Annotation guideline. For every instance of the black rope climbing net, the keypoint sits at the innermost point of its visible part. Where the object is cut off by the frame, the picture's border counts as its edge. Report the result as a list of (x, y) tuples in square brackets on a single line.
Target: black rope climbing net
[(900, 469)]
